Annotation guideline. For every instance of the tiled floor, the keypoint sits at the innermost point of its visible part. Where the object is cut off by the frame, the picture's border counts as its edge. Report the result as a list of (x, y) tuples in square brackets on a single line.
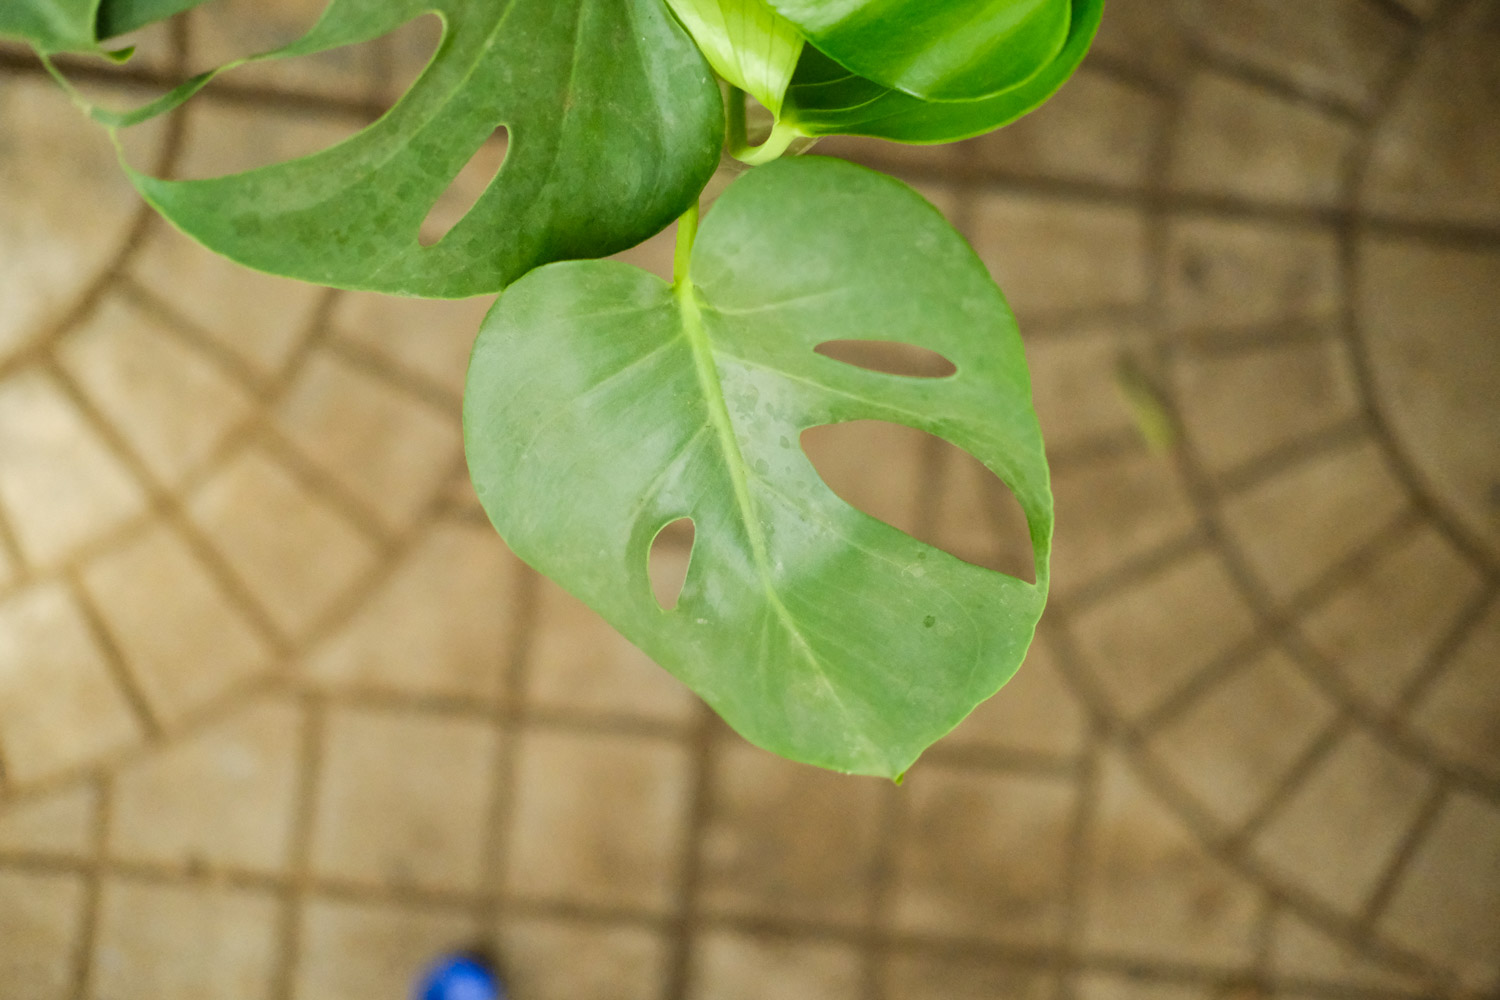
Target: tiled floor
[(280, 716)]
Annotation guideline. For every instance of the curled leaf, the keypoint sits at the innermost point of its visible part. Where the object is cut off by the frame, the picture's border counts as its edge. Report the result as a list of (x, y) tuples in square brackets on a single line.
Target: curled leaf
[(746, 42)]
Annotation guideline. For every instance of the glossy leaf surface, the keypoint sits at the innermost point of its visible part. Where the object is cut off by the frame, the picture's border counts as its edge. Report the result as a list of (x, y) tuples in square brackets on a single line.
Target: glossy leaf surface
[(956, 50), (614, 123), (825, 98), (119, 16), (746, 42), (603, 404)]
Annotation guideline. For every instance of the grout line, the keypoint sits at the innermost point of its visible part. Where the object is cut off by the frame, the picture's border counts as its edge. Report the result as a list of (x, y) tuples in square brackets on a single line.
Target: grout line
[(1287, 456), (1446, 651), (1080, 861), (1406, 852), (295, 886), (1316, 752), (510, 713), (687, 916), (115, 660), (93, 874)]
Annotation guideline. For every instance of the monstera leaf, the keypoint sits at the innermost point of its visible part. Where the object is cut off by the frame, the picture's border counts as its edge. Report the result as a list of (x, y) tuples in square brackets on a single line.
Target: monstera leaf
[(603, 404), (826, 98), (746, 42), (614, 125), (957, 50), (53, 26)]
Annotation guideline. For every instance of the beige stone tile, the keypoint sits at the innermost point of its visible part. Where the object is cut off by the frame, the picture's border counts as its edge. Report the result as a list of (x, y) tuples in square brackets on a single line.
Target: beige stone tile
[(598, 820), (56, 169), (1152, 891), (59, 705), (1145, 35), (1297, 525), (59, 483), (40, 918), (983, 855), (1240, 406), (1381, 628), (185, 642), (579, 664), (1113, 510), (1340, 830), (183, 942), (1074, 384), (1096, 128), (403, 799), (1095, 256), (1106, 986), (295, 552), (1341, 48), (1461, 714), (728, 966), (223, 797), (231, 29), (440, 625), (362, 951), (1299, 951), (59, 823), (253, 317), (1235, 274), (429, 338), (1237, 744), (1430, 320), (1236, 139), (787, 841), (556, 959), (172, 404), (1445, 903), (1147, 641), (378, 441), (1437, 155), (1035, 712), (948, 977)]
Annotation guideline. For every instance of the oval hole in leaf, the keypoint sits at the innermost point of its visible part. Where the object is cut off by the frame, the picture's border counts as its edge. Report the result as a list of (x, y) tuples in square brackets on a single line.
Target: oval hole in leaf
[(667, 563), (888, 356), (928, 488), (459, 196), (234, 134)]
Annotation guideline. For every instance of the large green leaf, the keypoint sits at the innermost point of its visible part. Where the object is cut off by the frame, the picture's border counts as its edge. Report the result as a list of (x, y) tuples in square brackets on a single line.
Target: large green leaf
[(955, 50), (77, 25), (827, 99), (746, 42), (603, 404), (614, 122)]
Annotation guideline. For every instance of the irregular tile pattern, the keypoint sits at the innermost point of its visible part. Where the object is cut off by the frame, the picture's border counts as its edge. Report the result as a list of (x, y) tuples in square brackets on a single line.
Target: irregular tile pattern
[(280, 717)]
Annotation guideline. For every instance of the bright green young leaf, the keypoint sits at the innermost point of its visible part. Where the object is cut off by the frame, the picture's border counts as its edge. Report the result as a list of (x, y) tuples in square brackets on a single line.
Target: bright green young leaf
[(746, 42), (827, 99), (614, 123), (953, 50), (603, 404)]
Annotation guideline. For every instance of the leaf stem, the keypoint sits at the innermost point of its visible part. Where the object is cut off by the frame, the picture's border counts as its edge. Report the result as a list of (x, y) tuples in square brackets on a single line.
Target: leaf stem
[(782, 134), (687, 231)]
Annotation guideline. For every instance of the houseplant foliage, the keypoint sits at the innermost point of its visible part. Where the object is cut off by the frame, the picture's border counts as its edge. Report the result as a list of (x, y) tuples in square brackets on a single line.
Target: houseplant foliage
[(603, 403)]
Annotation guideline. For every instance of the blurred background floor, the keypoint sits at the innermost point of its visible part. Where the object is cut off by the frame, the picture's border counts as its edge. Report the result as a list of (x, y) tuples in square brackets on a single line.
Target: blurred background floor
[(280, 717)]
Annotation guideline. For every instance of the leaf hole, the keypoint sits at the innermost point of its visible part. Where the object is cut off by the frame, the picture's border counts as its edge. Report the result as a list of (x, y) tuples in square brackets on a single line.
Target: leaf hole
[(888, 356), (667, 563), (928, 488), (466, 188)]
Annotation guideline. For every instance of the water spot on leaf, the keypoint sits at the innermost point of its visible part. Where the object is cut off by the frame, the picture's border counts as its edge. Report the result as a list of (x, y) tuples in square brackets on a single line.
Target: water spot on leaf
[(889, 357), (929, 621), (459, 197), (927, 487), (667, 563)]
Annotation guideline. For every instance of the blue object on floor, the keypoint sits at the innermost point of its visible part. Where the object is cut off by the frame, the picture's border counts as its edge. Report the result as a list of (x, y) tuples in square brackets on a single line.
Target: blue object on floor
[(460, 977)]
